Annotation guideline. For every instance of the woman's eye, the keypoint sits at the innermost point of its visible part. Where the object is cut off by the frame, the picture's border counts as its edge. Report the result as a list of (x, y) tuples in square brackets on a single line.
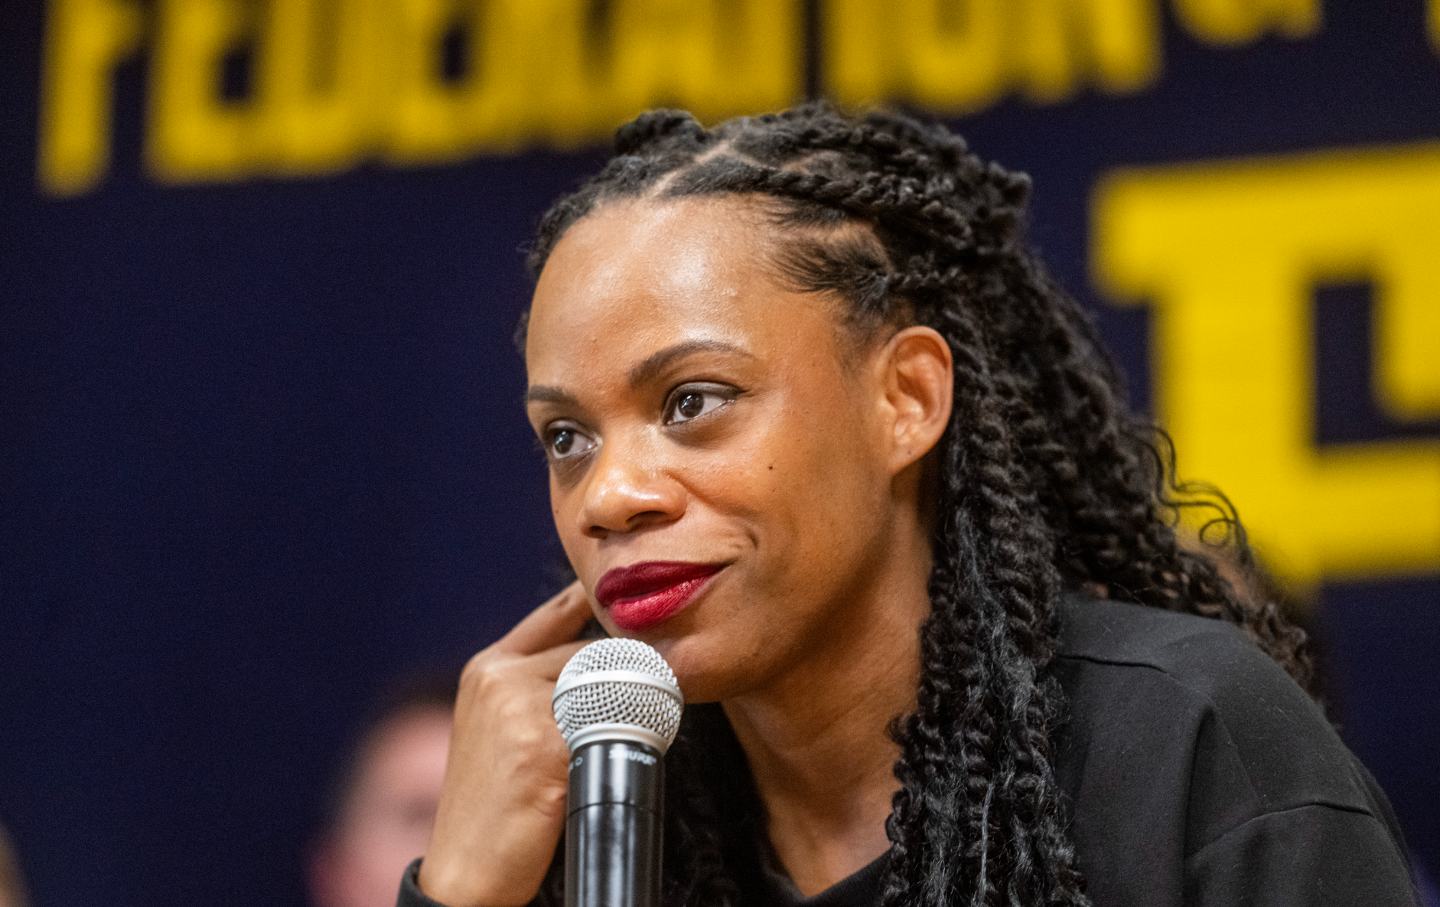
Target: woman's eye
[(564, 441), (693, 402)]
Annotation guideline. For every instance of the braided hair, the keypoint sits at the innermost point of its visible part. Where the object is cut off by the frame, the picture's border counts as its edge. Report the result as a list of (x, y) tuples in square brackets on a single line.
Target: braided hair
[(1045, 481)]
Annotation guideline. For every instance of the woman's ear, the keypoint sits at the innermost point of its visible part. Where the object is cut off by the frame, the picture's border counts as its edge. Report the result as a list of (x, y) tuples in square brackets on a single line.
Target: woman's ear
[(918, 382)]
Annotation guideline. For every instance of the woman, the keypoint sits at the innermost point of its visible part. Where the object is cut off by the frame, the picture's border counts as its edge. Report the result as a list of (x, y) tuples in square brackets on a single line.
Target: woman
[(821, 430)]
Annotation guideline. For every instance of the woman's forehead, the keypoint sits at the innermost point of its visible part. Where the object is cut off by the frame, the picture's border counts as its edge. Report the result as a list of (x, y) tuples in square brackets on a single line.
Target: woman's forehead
[(665, 242), (636, 275), (650, 262)]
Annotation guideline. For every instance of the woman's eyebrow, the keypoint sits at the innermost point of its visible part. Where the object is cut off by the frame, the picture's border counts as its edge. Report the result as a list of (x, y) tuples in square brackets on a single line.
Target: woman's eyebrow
[(656, 362), (542, 393), (642, 372)]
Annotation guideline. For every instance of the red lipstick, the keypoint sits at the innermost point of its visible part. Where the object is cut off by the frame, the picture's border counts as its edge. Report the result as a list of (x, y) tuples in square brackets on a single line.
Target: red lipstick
[(642, 595)]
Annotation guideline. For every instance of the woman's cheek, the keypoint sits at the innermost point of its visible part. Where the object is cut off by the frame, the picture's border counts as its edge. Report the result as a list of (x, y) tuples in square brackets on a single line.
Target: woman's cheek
[(577, 552)]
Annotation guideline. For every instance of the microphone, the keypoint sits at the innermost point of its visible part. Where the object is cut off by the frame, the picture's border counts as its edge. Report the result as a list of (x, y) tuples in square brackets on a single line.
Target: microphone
[(618, 705)]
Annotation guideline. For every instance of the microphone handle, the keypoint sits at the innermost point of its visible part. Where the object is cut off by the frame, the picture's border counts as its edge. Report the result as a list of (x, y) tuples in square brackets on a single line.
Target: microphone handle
[(613, 825)]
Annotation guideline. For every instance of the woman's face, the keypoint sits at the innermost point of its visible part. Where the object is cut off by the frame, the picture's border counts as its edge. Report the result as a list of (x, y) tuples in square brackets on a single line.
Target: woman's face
[(720, 453)]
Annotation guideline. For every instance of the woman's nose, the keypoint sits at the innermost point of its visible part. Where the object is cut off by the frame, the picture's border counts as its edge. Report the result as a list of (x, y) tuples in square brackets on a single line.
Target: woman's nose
[(627, 490)]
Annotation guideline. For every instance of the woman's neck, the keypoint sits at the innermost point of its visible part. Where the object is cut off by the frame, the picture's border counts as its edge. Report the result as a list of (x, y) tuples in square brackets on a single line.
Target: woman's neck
[(817, 739)]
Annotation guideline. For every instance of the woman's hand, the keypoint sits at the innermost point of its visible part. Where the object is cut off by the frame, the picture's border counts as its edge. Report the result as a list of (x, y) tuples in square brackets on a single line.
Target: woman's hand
[(502, 807)]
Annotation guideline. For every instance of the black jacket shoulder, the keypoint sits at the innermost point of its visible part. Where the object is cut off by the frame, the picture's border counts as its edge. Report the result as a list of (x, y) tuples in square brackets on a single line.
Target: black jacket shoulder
[(1195, 764), (1208, 669)]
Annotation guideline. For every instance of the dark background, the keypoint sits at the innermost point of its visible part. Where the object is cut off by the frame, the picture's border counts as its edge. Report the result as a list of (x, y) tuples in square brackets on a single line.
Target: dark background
[(263, 453)]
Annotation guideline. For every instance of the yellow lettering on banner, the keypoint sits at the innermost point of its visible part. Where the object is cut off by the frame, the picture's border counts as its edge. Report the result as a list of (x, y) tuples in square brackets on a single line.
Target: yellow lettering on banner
[(1063, 44), (195, 134), (855, 49), (958, 56), (1049, 63), (321, 68), (714, 58), (428, 114), (664, 51), (764, 58), (540, 59), (1407, 329), (528, 72), (951, 54), (1235, 22), (1229, 255), (1125, 35), (84, 40)]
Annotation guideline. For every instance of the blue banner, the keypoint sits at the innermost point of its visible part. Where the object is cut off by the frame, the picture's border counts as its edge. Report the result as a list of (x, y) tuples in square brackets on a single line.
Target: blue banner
[(263, 447)]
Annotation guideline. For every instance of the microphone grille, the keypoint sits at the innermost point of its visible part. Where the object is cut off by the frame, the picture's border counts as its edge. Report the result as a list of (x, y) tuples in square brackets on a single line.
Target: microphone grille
[(621, 686)]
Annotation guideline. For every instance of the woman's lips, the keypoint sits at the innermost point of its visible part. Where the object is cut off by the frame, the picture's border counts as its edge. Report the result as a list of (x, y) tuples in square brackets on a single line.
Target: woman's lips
[(645, 594)]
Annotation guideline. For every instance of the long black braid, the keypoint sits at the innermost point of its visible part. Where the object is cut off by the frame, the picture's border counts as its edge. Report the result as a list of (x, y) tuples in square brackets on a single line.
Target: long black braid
[(1045, 481)]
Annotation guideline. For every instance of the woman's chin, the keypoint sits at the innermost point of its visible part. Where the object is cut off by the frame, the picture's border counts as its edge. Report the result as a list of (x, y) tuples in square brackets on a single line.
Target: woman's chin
[(705, 672)]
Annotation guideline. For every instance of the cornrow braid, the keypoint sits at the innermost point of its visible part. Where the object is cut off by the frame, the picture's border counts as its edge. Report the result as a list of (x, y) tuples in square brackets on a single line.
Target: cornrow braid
[(1046, 481)]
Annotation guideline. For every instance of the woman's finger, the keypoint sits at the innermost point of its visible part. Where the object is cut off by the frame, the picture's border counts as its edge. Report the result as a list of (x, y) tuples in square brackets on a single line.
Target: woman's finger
[(549, 663), (557, 621)]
